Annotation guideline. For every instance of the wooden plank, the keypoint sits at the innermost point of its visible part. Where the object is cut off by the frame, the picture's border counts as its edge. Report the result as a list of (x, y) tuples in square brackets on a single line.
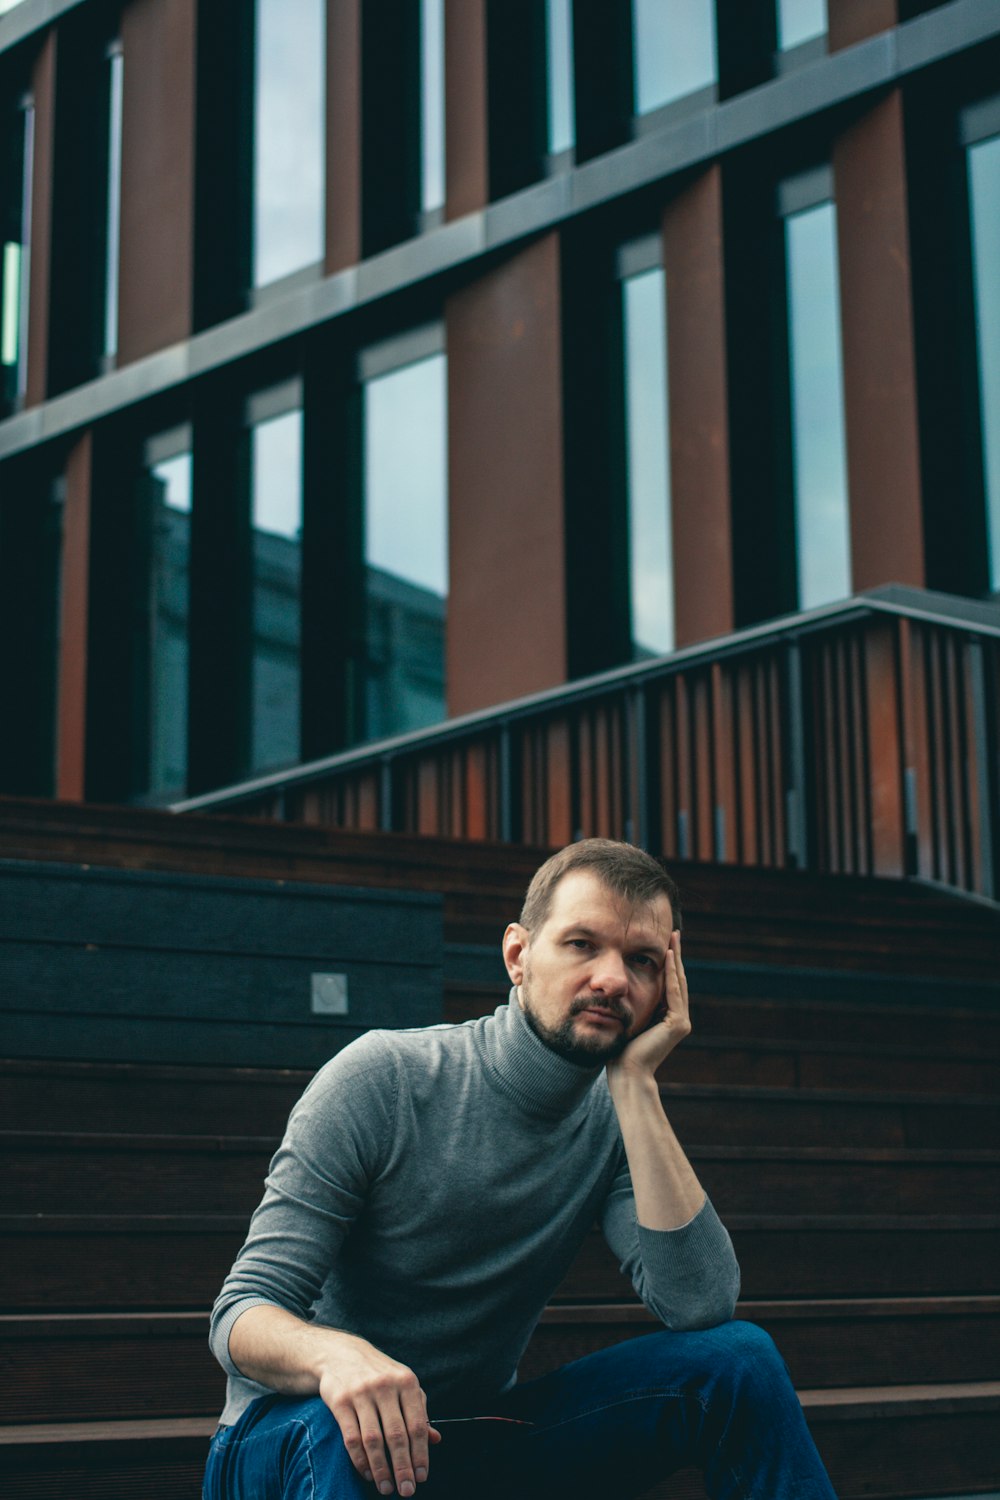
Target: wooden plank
[(701, 722), (881, 677), (752, 827)]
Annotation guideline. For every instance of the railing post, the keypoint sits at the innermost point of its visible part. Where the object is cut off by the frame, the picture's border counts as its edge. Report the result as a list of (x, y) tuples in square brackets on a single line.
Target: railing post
[(795, 791), (385, 795), (980, 747)]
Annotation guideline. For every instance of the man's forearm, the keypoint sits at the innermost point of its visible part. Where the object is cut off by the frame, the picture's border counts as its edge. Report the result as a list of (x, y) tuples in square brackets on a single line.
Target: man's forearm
[(279, 1350), (667, 1191)]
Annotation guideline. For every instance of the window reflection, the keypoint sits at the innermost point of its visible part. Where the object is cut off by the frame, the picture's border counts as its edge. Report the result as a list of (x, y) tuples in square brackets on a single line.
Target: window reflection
[(116, 80), (166, 527), (819, 461), (432, 104), (800, 21), (15, 243), (984, 192), (559, 53), (406, 546), (647, 463), (289, 136), (673, 50), (276, 518)]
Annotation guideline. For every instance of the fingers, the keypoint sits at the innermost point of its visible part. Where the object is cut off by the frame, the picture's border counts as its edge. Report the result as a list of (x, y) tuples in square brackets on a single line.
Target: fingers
[(387, 1436)]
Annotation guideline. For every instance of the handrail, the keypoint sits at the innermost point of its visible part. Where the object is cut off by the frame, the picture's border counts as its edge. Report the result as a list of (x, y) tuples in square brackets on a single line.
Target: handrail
[(861, 737)]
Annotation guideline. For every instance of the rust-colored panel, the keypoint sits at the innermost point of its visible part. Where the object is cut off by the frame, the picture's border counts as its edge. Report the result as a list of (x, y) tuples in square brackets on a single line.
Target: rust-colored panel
[(775, 763), (913, 670), (751, 814), (701, 720), (343, 134), (602, 729), (699, 428), (936, 735), (851, 21), (847, 749), (686, 800), (367, 808), (428, 809), (156, 275), (43, 88), (667, 771), (585, 760), (466, 120), (880, 394), (507, 601), (861, 829), (73, 619), (724, 754), (888, 827), (477, 824), (559, 791)]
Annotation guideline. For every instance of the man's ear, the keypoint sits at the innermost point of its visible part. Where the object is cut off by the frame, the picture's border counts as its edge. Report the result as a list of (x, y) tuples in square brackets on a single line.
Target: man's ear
[(514, 946)]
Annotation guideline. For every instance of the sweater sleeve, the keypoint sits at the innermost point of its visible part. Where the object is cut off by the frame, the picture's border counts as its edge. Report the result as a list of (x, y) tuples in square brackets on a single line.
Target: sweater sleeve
[(687, 1277), (315, 1188)]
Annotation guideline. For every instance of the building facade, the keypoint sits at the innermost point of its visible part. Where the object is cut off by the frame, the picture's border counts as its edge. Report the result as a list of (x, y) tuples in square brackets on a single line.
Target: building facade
[(368, 362)]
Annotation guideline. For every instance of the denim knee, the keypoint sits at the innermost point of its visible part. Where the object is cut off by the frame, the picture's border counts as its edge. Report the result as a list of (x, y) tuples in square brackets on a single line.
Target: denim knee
[(739, 1352)]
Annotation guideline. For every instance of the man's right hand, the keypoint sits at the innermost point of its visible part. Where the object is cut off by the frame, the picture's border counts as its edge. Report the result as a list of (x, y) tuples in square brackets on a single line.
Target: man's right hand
[(377, 1402), (381, 1412)]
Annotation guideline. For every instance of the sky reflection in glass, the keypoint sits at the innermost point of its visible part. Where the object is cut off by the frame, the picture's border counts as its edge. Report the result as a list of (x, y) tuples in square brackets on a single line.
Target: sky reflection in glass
[(673, 50), (984, 188), (169, 608), (289, 136), (800, 21), (819, 457), (559, 54), (432, 103), (276, 517), (651, 578)]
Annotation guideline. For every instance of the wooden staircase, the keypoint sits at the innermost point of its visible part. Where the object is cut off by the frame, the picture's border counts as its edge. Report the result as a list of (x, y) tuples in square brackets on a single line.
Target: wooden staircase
[(850, 1142)]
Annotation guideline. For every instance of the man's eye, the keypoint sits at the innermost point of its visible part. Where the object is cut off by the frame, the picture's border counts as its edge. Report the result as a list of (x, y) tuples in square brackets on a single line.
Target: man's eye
[(579, 943), (642, 960)]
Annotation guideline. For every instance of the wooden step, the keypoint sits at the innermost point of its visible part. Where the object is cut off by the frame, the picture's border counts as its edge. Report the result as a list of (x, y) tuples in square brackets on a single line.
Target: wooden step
[(169, 1262), (62, 1367), (877, 1442), (837, 1255), (62, 1173), (825, 1342), (841, 1064)]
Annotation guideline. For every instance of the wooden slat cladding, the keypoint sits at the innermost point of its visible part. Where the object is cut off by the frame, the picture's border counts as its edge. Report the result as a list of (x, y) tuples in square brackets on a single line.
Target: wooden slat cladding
[(890, 748)]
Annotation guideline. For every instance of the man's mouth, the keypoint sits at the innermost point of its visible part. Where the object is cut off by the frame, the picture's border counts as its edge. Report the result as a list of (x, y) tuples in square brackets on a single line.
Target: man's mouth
[(599, 1012)]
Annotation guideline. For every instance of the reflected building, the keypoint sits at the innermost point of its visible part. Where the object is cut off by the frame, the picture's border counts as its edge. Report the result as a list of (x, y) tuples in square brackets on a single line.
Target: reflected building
[(369, 362)]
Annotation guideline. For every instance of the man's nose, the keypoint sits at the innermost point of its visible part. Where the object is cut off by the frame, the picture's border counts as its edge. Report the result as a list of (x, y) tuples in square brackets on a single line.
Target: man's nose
[(609, 975)]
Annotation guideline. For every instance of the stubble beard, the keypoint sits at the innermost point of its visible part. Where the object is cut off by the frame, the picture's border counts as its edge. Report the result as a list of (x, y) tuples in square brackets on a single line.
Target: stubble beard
[(565, 1041)]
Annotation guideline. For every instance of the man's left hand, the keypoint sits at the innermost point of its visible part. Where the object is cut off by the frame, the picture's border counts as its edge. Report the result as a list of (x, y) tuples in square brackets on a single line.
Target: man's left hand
[(669, 1026)]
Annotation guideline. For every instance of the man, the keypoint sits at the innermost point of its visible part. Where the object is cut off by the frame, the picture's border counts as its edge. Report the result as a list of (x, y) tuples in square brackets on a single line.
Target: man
[(430, 1194)]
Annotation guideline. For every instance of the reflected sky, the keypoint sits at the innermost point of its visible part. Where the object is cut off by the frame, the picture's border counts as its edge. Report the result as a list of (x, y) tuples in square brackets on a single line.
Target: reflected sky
[(674, 50), (276, 492), (289, 137), (819, 451), (650, 552), (174, 475), (799, 21), (559, 53), (406, 473), (432, 103), (984, 185)]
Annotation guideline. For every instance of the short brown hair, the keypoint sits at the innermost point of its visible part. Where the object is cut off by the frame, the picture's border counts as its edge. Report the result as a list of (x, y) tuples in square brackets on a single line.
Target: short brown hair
[(627, 871)]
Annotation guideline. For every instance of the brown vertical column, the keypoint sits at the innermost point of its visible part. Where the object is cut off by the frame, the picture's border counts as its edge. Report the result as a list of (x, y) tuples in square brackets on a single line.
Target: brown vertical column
[(43, 88), (157, 212), (699, 428), (880, 394), (852, 21), (71, 732), (507, 604), (343, 134), (465, 88)]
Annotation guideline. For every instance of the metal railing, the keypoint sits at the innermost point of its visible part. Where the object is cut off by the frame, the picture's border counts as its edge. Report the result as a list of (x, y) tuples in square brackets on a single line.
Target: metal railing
[(858, 738)]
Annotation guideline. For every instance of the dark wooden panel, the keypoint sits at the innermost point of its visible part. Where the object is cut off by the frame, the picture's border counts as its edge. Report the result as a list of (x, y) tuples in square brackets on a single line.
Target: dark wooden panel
[(343, 134), (71, 714)]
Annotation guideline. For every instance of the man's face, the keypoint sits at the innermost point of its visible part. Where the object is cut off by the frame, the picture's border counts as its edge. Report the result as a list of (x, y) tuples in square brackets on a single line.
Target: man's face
[(591, 977)]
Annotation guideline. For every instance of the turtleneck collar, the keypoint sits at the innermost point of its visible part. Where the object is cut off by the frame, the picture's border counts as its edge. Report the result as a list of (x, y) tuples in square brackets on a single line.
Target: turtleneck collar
[(522, 1067)]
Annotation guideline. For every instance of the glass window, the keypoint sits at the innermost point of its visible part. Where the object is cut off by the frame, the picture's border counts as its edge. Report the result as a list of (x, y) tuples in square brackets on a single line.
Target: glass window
[(116, 78), (15, 243), (673, 50), (799, 21), (289, 137), (819, 457), (559, 54), (651, 586), (6, 5), (406, 545), (166, 526), (984, 193), (432, 104), (276, 519)]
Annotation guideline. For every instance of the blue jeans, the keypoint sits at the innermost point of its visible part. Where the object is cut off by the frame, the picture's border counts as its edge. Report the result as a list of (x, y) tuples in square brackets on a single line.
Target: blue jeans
[(608, 1426)]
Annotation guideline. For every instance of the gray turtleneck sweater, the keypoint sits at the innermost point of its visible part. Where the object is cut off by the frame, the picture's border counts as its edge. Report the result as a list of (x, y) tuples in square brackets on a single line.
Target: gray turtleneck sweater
[(430, 1193)]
